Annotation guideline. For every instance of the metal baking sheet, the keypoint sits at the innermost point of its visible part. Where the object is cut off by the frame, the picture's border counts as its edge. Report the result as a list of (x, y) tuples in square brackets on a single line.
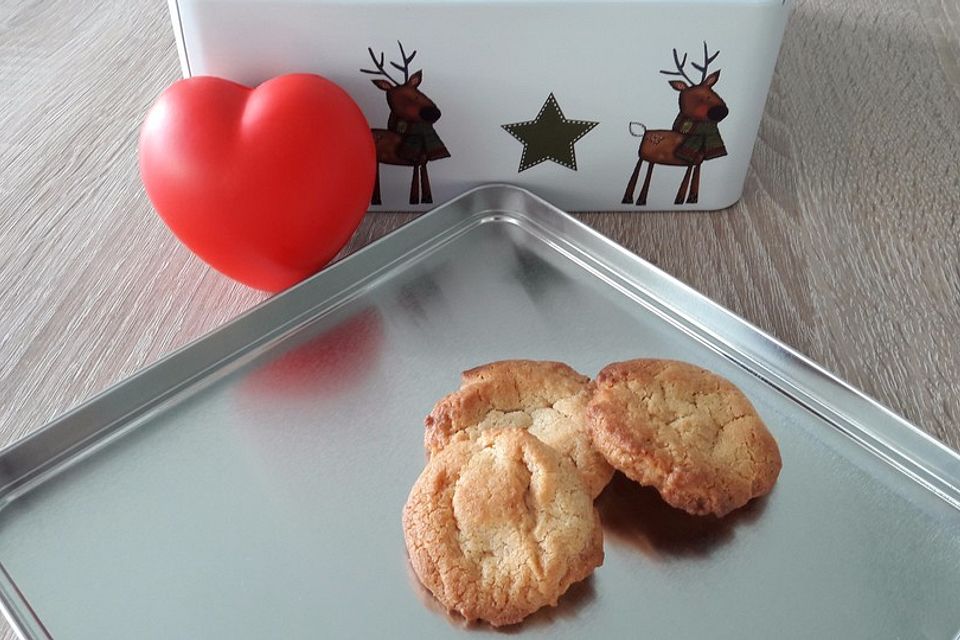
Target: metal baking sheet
[(251, 484)]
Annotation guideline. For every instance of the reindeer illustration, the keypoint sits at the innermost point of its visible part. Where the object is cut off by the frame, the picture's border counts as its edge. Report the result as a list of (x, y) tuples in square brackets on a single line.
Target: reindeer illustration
[(695, 136), (409, 139)]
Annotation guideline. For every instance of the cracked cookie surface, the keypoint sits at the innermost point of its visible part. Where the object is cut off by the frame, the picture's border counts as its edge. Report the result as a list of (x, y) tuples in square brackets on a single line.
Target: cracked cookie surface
[(548, 399), (501, 525), (684, 430)]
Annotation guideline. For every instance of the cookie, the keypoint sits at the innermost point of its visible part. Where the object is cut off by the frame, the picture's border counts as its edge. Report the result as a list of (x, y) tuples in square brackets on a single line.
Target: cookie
[(686, 431), (501, 525), (549, 399)]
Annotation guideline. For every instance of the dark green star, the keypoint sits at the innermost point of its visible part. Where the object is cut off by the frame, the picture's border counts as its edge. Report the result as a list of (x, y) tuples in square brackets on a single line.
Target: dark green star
[(549, 136)]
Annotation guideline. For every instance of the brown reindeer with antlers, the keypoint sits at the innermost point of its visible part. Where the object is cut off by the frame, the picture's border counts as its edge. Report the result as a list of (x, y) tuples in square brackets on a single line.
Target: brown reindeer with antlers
[(409, 139), (695, 136)]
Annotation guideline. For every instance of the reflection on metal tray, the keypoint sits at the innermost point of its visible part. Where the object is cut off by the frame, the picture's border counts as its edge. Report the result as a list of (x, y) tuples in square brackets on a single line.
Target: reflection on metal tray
[(250, 485)]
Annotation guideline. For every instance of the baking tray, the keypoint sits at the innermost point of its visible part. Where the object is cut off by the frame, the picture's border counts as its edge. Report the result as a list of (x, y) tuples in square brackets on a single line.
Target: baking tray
[(251, 484)]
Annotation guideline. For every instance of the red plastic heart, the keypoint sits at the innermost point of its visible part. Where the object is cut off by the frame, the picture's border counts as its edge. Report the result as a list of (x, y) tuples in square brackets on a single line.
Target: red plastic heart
[(266, 185)]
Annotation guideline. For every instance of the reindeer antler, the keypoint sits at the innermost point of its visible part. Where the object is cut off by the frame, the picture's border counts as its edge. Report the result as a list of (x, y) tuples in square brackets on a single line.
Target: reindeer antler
[(681, 65), (381, 66), (680, 68), (406, 62), (707, 59)]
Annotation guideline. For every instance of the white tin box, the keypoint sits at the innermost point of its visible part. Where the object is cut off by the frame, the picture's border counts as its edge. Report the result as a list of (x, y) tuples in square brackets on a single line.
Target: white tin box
[(570, 98)]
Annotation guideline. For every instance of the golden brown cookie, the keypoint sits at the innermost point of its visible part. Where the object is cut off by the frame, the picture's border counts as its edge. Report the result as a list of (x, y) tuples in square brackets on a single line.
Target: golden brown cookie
[(686, 431), (500, 526), (549, 399)]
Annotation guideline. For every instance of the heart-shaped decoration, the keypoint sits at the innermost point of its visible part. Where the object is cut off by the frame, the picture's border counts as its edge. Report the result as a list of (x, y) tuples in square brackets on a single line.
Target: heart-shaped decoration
[(266, 185)]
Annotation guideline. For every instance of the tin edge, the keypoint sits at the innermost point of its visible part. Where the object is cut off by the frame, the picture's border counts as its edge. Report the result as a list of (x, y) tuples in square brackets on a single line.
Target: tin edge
[(17, 611), (435, 230), (177, 19), (776, 367)]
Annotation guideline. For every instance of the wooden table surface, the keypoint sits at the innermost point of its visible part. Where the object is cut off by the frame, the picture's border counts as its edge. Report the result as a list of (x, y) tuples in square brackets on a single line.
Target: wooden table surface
[(845, 246)]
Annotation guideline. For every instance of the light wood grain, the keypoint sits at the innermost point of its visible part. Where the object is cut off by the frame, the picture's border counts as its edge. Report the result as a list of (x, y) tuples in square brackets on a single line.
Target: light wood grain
[(846, 244)]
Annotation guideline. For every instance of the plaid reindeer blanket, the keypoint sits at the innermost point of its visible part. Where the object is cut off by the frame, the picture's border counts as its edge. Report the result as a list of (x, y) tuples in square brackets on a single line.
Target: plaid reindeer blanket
[(420, 142), (702, 141)]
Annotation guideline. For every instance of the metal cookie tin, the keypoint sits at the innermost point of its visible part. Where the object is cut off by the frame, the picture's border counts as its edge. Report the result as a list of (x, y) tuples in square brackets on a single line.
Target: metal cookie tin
[(630, 105), (250, 485)]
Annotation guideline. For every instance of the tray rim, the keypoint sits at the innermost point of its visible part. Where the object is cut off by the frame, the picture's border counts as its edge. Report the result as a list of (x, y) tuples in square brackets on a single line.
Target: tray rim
[(913, 452)]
